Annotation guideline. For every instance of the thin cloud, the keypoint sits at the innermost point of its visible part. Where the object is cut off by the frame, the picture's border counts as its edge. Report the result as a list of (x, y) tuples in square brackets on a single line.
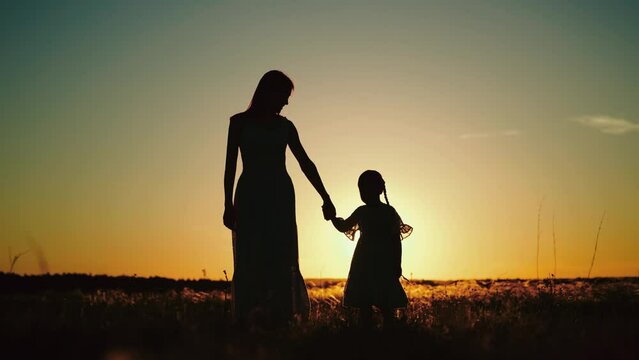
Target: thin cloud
[(510, 133), (608, 124), (493, 134)]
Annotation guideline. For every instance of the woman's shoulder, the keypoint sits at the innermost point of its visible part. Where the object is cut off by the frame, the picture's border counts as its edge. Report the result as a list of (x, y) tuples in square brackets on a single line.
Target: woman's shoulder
[(285, 120), (244, 115), (239, 116), (288, 125), (238, 120)]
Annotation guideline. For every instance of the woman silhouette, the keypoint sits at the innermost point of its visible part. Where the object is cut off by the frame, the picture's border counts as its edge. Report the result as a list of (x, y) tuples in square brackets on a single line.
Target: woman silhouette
[(267, 282)]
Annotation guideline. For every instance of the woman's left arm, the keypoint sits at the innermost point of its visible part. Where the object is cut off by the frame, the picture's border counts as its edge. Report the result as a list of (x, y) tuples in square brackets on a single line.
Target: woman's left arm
[(310, 170), (230, 167)]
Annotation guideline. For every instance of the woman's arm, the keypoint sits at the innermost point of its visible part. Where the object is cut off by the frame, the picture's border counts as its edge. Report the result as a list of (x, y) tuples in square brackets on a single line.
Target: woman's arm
[(310, 170), (232, 147)]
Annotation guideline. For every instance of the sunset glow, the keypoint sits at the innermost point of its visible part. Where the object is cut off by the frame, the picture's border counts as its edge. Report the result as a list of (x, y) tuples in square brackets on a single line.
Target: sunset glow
[(114, 118)]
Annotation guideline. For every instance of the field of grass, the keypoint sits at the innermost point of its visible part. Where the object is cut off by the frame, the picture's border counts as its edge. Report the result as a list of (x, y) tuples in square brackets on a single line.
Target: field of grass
[(504, 319)]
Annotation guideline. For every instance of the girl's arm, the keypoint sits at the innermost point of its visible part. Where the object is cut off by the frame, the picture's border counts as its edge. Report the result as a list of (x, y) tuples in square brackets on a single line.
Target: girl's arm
[(232, 147), (310, 171), (346, 225)]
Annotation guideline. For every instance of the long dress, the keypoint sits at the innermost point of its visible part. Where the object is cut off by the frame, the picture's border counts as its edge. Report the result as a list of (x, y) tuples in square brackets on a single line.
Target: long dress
[(266, 276), (373, 278)]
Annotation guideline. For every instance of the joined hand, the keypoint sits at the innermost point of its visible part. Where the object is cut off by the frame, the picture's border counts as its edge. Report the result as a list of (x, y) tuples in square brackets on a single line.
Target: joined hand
[(328, 210)]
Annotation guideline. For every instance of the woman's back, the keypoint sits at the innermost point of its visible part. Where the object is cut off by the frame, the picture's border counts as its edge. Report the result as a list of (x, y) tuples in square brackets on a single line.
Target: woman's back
[(263, 143)]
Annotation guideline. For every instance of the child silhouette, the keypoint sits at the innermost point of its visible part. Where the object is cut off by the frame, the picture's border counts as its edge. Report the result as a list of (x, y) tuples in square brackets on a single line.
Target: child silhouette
[(373, 279)]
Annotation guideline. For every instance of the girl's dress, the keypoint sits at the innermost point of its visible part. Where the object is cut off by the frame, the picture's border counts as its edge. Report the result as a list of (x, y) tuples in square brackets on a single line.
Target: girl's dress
[(375, 270), (265, 254)]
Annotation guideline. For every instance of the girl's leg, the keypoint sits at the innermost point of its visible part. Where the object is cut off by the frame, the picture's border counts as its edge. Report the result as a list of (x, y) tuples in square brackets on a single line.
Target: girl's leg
[(366, 317)]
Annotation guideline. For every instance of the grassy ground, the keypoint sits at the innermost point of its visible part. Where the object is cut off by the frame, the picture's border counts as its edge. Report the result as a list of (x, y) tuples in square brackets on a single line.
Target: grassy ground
[(507, 319)]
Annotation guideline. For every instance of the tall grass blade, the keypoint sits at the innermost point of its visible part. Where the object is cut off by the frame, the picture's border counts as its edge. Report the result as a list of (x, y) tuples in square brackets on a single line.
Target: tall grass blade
[(539, 232), (592, 262), (554, 245)]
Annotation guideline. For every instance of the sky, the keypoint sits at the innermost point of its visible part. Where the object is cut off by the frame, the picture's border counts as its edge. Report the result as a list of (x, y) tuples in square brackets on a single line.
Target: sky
[(485, 119)]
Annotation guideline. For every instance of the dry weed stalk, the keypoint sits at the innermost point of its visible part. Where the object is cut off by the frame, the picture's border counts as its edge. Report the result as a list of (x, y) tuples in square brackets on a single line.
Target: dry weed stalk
[(538, 232), (14, 259), (592, 262), (554, 245)]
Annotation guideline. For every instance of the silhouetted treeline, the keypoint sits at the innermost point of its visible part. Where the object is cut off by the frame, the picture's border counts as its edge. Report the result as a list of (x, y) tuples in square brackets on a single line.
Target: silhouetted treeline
[(13, 283)]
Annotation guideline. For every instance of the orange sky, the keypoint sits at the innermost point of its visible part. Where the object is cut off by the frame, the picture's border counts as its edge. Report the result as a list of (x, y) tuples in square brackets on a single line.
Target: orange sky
[(113, 131)]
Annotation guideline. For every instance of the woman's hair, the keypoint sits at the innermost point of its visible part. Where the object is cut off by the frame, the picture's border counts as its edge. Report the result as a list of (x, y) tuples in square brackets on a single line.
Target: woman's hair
[(272, 81), (372, 180)]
